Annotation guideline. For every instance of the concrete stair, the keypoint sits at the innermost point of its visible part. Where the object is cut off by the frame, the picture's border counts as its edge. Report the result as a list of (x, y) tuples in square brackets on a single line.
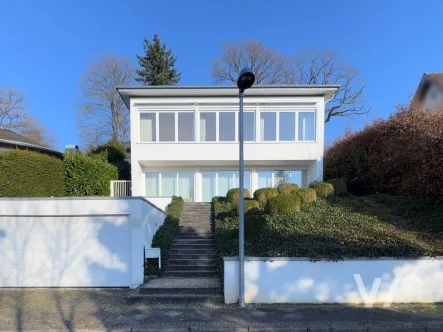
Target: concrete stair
[(191, 272)]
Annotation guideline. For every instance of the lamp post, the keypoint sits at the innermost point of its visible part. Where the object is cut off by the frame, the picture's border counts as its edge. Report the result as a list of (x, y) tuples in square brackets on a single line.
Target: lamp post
[(245, 80)]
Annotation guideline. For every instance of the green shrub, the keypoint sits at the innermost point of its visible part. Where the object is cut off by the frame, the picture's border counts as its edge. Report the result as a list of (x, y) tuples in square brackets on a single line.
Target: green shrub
[(262, 195), (115, 154), (307, 195), (322, 189), (283, 204), (233, 195), (88, 176), (339, 185), (251, 207), (31, 174), (288, 188), (168, 231)]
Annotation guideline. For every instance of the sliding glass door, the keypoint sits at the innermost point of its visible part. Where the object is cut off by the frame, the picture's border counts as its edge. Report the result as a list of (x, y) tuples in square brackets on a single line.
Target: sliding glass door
[(166, 184), (208, 186)]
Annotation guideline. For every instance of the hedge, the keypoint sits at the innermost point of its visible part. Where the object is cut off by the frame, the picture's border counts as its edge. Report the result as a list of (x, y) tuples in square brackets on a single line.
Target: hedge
[(322, 189), (339, 185), (233, 195), (31, 174), (168, 231), (283, 204), (402, 155), (115, 154), (88, 176), (262, 195), (251, 206), (288, 188), (307, 195)]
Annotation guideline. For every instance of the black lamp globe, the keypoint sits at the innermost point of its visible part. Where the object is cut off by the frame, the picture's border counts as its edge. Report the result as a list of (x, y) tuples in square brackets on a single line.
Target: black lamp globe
[(246, 79)]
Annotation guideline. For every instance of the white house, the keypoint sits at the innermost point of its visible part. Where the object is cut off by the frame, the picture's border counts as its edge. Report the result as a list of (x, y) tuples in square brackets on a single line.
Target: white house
[(184, 140), (429, 93)]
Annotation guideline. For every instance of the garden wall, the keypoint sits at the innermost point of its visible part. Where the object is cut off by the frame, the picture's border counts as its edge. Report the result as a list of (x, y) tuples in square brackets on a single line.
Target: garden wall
[(299, 280)]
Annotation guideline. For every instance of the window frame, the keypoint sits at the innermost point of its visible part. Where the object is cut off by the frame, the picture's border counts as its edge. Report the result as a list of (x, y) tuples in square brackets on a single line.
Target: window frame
[(176, 182)]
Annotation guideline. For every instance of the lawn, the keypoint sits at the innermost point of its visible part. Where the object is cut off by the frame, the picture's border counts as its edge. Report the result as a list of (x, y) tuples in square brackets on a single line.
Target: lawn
[(337, 228)]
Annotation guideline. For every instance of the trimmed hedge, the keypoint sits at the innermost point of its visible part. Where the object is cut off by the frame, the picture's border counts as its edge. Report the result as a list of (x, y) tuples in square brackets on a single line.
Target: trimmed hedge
[(322, 189), (339, 185), (288, 188), (251, 207), (88, 176), (31, 174), (233, 195), (307, 195), (168, 231), (283, 204), (262, 195)]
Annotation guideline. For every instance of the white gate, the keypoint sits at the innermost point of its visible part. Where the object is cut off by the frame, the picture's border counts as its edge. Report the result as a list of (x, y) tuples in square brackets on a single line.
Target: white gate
[(121, 188)]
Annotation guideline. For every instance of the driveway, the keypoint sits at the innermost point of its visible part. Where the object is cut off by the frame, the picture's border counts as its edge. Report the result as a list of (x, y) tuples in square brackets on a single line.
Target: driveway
[(110, 310)]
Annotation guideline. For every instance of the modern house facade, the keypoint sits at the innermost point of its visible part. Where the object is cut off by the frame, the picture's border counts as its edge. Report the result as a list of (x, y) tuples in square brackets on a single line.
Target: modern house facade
[(184, 140), (429, 94)]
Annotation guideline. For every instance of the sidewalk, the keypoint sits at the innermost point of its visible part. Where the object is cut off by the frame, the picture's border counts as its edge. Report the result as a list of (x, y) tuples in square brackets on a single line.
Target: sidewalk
[(110, 310)]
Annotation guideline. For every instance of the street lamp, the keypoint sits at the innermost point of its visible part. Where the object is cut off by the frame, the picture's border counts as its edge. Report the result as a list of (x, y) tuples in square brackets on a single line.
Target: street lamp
[(245, 80)]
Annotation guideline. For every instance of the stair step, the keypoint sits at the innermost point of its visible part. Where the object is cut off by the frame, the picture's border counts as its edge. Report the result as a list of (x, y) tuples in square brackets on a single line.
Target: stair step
[(174, 298), (193, 241), (191, 274), (192, 257), (192, 262), (191, 251), (192, 246), (182, 291), (194, 237), (194, 268)]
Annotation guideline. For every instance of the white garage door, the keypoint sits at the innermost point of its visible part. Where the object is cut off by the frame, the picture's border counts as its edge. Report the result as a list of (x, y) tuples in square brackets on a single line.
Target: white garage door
[(58, 251)]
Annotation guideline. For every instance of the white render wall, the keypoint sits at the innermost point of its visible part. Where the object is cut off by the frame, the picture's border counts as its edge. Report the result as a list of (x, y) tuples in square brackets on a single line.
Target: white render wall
[(292, 280), (75, 242)]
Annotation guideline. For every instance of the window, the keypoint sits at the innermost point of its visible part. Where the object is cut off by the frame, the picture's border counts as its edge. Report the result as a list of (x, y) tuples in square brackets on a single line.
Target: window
[(151, 184), (281, 177), (208, 127), (306, 126), (264, 179), (158, 184), (186, 186), (269, 179), (268, 126), (185, 127), (286, 126), (147, 127), (168, 183), (226, 126), (208, 186), (166, 127), (225, 182), (249, 126), (246, 180)]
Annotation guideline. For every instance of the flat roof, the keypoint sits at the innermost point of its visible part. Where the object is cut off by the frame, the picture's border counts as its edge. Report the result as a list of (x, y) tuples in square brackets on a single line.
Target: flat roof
[(162, 91)]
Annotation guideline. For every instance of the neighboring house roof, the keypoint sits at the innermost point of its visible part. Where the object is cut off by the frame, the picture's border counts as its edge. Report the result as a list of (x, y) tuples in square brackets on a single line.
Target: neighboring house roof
[(326, 91), (426, 81), (12, 139)]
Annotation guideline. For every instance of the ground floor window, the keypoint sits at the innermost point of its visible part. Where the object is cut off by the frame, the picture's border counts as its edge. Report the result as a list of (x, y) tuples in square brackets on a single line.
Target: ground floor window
[(170, 184), (269, 179), (219, 182)]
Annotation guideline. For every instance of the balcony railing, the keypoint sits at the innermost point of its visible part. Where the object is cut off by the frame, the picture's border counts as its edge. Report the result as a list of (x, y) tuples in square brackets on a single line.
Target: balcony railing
[(121, 188)]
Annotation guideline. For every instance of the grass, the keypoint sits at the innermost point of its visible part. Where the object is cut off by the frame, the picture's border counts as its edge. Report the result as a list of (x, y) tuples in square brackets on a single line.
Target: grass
[(337, 228)]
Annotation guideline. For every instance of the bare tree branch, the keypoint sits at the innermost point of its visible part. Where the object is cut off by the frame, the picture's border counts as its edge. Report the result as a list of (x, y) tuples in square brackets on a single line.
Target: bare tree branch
[(102, 114), (325, 67)]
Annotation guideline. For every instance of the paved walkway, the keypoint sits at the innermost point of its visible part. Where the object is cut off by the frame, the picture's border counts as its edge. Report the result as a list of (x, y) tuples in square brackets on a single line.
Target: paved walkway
[(110, 310)]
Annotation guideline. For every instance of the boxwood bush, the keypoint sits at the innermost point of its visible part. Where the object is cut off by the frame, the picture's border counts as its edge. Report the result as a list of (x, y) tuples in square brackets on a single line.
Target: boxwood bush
[(168, 231), (233, 195), (283, 204), (307, 195), (339, 185), (322, 189), (251, 207), (31, 174), (288, 188), (262, 195), (88, 176)]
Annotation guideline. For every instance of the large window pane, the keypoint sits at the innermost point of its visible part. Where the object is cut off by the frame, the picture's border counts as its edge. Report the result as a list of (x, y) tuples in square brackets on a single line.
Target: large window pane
[(166, 127), (264, 180), (287, 126), (226, 129), (169, 183), (208, 186), (268, 126), (185, 127), (296, 177), (225, 182), (151, 184), (207, 126), (249, 126), (282, 177), (246, 182), (186, 186), (147, 127), (306, 126)]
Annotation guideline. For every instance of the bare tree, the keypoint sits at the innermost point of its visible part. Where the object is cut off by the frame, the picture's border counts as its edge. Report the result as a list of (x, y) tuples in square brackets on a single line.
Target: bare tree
[(102, 114), (323, 67), (268, 66), (14, 116)]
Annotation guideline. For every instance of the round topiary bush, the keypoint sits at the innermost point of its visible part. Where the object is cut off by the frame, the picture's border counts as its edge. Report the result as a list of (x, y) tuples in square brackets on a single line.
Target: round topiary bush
[(262, 195), (322, 189), (307, 195), (340, 187), (288, 188), (233, 195), (283, 204), (251, 207)]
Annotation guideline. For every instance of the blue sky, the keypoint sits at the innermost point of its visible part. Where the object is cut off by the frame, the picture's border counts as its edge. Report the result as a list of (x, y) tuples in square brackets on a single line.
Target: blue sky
[(45, 46)]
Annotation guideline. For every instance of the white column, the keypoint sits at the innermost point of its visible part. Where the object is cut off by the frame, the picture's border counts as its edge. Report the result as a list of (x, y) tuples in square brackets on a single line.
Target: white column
[(198, 186), (254, 180)]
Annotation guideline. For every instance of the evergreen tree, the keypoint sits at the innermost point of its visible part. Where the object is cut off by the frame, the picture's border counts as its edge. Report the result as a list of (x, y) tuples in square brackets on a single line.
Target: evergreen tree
[(157, 64)]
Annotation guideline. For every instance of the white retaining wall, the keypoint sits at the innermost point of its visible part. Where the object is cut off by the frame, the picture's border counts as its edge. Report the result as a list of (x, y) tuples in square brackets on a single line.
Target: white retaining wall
[(299, 280), (75, 242)]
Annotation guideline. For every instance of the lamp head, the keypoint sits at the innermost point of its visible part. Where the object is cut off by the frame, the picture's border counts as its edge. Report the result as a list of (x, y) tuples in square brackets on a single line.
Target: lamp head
[(246, 79)]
